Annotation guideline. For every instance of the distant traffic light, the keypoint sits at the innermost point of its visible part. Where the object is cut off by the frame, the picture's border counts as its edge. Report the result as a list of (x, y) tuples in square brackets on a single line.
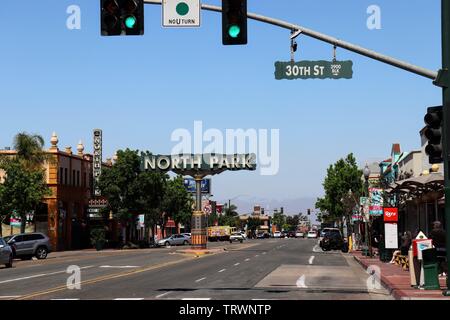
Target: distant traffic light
[(309, 212), (433, 132), (234, 22), (122, 17)]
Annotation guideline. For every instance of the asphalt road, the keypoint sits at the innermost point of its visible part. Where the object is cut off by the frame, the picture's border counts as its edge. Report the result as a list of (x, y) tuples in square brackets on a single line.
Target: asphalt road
[(255, 270)]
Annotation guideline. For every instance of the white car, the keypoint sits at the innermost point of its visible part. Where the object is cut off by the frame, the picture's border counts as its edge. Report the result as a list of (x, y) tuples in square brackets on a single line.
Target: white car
[(277, 234), (299, 234), (312, 235), (244, 235), (237, 236)]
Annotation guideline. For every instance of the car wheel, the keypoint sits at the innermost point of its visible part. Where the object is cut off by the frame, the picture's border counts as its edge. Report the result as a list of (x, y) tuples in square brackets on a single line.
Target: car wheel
[(41, 253), (10, 263), (167, 244), (185, 243)]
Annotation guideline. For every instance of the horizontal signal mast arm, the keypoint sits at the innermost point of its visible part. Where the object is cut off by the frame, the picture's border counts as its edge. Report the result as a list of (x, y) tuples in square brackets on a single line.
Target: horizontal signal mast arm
[(331, 40)]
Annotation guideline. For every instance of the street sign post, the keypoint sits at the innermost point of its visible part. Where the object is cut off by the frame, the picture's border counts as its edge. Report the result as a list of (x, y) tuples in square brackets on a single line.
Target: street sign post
[(181, 13), (314, 70)]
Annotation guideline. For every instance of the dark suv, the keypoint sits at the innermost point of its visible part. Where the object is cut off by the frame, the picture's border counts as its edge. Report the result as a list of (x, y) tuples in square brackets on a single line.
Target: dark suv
[(27, 245)]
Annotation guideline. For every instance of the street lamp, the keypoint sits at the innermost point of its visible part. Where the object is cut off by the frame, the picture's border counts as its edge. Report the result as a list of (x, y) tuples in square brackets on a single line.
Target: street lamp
[(366, 173)]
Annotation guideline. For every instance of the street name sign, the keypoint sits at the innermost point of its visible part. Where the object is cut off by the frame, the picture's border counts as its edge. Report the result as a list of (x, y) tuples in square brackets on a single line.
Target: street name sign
[(314, 70), (181, 13)]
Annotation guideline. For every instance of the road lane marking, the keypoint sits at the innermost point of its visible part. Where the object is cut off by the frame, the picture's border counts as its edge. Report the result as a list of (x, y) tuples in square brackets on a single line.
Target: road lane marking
[(301, 282), (257, 256), (311, 260), (200, 280), (105, 278), (316, 248), (163, 295), (9, 297), (72, 299), (196, 299), (236, 264), (119, 267), (264, 253), (40, 275), (223, 270), (129, 299), (247, 259)]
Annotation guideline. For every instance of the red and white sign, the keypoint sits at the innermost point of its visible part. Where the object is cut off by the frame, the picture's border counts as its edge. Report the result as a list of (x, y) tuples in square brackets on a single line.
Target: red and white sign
[(390, 214)]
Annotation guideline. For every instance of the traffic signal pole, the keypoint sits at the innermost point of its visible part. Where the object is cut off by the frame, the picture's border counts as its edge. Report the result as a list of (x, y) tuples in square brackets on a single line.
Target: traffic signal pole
[(444, 81)]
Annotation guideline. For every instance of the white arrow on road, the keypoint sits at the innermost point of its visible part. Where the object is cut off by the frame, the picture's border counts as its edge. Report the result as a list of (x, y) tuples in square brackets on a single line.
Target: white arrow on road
[(311, 260)]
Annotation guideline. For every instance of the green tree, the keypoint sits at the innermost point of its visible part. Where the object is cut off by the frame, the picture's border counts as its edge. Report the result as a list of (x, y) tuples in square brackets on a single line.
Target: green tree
[(30, 150), (129, 191), (230, 217), (5, 209), (278, 219), (253, 224), (23, 189), (343, 180), (293, 222), (177, 202)]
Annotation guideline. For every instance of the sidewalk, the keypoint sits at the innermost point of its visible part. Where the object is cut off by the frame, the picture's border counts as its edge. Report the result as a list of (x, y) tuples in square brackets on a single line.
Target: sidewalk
[(397, 281)]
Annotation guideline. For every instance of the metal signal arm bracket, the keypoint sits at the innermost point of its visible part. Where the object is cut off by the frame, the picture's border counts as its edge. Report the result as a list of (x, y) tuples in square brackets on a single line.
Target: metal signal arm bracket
[(442, 79), (295, 33)]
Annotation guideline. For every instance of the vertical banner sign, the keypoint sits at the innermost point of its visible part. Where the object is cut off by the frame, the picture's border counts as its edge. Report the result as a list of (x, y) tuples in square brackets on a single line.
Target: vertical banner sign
[(97, 167), (376, 201), (364, 202), (391, 235)]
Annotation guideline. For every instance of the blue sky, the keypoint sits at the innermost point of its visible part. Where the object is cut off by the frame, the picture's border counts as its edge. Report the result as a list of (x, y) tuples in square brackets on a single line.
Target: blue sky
[(140, 89)]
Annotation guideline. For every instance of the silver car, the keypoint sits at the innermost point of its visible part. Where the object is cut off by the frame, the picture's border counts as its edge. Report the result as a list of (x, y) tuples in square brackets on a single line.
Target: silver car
[(6, 254), (27, 245), (174, 240)]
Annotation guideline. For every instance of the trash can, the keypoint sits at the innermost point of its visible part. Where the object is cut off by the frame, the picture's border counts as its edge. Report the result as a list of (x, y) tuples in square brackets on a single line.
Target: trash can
[(430, 269)]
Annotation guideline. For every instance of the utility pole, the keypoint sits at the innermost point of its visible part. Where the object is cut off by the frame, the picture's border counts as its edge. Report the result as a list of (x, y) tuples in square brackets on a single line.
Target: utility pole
[(444, 81)]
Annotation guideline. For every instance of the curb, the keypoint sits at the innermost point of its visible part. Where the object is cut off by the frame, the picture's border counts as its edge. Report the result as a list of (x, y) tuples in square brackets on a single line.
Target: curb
[(385, 283)]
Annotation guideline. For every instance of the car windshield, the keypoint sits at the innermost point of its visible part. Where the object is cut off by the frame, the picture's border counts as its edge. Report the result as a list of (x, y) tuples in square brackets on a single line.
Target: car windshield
[(7, 238)]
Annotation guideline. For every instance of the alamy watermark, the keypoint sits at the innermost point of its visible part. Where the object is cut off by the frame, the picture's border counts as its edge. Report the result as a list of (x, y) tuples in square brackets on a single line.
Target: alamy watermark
[(263, 143), (73, 21), (374, 19), (74, 280)]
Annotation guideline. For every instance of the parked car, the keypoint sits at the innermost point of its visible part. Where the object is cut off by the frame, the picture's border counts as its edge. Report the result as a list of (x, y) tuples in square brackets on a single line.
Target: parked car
[(188, 235), (325, 231), (291, 234), (237, 236), (312, 235), (6, 254), (175, 240), (299, 234), (277, 234), (28, 245), (261, 235)]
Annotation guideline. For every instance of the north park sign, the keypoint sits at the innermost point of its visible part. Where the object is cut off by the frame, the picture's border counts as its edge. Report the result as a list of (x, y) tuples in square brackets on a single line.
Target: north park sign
[(192, 163)]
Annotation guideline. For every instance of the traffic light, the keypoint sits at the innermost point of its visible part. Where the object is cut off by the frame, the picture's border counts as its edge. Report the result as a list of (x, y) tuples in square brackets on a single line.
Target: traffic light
[(122, 17), (433, 132), (309, 212), (234, 22)]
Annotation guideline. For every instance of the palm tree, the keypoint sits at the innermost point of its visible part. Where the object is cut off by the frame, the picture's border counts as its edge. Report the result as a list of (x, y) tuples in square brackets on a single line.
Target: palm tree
[(31, 154), (30, 150)]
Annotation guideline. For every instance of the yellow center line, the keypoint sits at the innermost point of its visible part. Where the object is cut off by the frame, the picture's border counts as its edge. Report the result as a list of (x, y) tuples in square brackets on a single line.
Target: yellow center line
[(104, 278)]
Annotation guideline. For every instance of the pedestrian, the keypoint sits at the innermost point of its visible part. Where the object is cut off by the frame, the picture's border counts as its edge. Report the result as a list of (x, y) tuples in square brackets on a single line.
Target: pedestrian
[(438, 237)]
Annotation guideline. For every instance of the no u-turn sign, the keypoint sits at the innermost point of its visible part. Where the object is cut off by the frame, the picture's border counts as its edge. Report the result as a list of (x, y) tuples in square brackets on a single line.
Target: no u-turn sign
[(181, 13)]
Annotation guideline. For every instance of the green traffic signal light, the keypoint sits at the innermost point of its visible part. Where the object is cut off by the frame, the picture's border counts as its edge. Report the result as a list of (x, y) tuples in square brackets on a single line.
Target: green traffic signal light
[(234, 31), (130, 22)]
